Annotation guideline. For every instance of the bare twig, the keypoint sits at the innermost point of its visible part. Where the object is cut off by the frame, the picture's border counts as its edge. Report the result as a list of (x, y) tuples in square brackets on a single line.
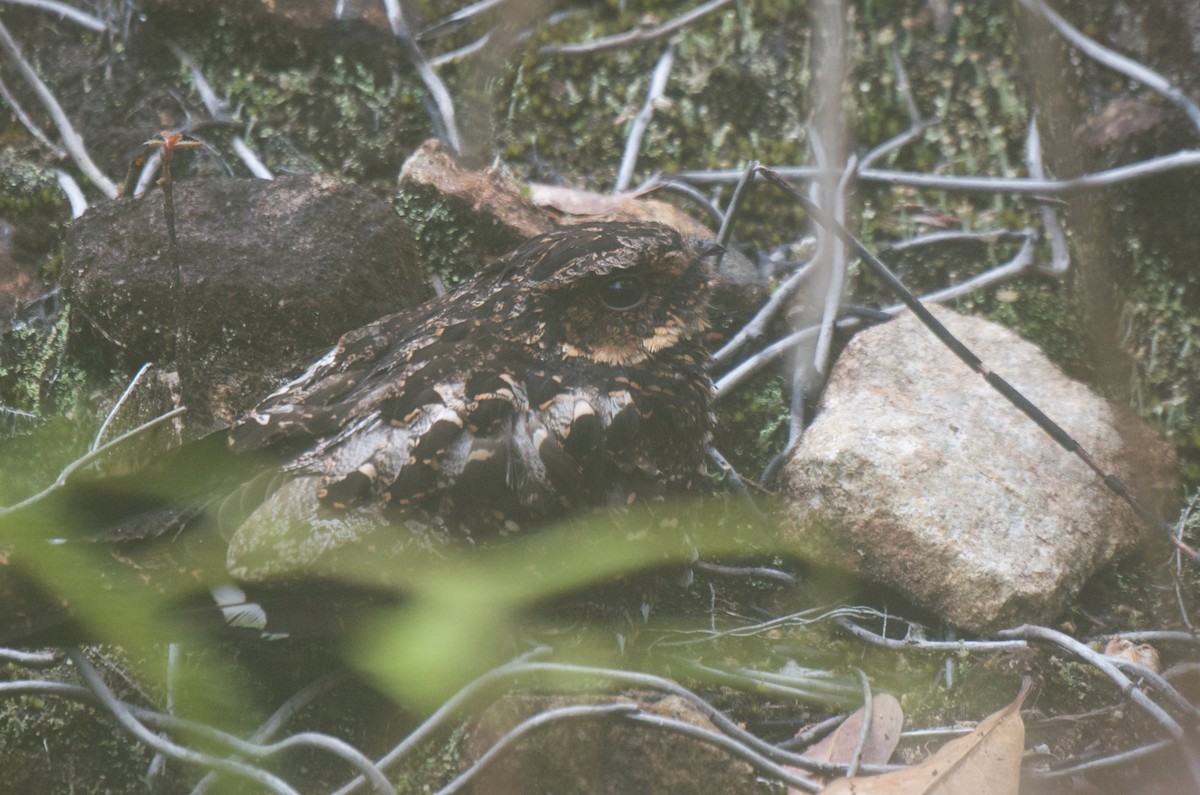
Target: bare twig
[(128, 721), (917, 125), (725, 233), (938, 646), (576, 711), (1103, 763), (91, 456), (723, 724), (459, 17), (27, 121), (31, 659), (759, 761), (117, 406), (444, 712), (837, 275), (219, 110), (1161, 685), (746, 572), (1115, 61), (1180, 526), (701, 201), (453, 56), (146, 177), (864, 730), (1127, 688), (166, 144), (1021, 186), (654, 95), (250, 158), (735, 479), (1060, 256), (75, 197), (71, 139), (1021, 262), (278, 719), (757, 326), (66, 11), (955, 236), (815, 732), (444, 118), (637, 35), (745, 369)]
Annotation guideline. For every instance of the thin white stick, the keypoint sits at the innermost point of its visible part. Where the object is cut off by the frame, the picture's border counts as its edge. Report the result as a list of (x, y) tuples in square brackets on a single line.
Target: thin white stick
[(1060, 255), (461, 15), (90, 456), (117, 406), (728, 382), (71, 139), (916, 125), (128, 721), (219, 110), (149, 169), (658, 84), (758, 324), (635, 36), (66, 12), (837, 280), (216, 107), (25, 119), (437, 89), (78, 201), (251, 160), (1023, 186)]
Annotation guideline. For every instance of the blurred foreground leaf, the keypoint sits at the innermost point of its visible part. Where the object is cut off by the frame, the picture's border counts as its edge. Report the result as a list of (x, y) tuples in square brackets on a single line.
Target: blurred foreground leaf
[(464, 611)]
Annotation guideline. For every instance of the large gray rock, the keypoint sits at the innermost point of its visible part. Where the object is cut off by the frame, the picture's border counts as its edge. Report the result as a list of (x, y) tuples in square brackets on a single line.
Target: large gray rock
[(917, 475), (273, 273)]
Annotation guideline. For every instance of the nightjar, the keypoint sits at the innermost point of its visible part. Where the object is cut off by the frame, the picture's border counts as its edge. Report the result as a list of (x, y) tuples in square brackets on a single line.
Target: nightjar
[(567, 375)]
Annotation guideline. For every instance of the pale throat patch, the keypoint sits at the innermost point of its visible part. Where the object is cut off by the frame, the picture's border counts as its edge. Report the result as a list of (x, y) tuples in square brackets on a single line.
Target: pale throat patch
[(629, 353)]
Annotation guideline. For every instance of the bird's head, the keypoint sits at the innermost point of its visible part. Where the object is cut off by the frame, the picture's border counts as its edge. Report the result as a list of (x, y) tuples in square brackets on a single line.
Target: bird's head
[(617, 293)]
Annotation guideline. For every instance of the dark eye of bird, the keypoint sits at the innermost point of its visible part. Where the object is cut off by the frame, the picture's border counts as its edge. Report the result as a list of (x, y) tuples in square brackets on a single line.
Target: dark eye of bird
[(622, 292)]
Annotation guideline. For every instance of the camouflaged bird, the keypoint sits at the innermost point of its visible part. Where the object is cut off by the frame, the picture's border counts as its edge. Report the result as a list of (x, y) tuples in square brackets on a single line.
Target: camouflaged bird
[(568, 375)]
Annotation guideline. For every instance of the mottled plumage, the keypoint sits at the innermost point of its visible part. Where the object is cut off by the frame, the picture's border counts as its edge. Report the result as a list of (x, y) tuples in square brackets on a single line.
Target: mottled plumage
[(567, 375)]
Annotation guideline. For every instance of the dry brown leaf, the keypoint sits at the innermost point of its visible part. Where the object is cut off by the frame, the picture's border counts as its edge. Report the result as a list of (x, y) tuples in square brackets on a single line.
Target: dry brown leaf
[(985, 762), (887, 719)]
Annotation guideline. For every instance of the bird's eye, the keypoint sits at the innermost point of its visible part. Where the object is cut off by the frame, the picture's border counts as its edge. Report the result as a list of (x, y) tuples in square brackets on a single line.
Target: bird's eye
[(622, 292)]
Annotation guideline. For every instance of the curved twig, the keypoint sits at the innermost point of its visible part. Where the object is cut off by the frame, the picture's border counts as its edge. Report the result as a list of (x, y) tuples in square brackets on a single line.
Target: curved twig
[(658, 84), (445, 117), (1115, 61), (72, 140), (637, 35)]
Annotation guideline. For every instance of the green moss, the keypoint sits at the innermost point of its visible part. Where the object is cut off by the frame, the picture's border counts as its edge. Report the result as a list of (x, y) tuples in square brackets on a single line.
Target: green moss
[(752, 424), (31, 367), (28, 191), (451, 240), (1162, 322), (42, 735)]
